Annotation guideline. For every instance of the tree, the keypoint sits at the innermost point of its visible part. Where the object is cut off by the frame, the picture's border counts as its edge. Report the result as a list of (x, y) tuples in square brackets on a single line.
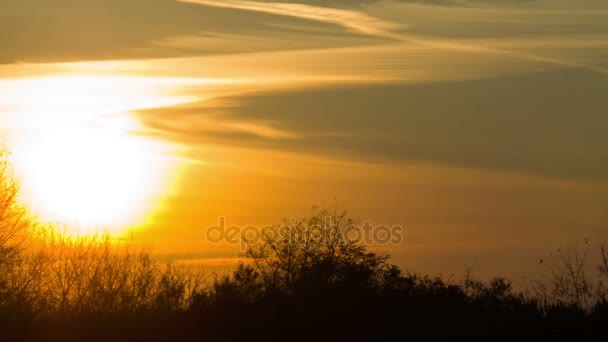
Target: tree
[(315, 255), (14, 218), (15, 276)]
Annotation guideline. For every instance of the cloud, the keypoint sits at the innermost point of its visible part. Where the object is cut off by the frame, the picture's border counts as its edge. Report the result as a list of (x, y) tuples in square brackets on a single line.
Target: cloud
[(356, 3), (67, 30), (353, 20), (531, 123), (130, 29), (361, 22), (336, 119)]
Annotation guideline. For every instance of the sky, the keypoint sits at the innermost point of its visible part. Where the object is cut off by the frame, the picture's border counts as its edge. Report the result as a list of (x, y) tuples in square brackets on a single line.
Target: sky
[(477, 125)]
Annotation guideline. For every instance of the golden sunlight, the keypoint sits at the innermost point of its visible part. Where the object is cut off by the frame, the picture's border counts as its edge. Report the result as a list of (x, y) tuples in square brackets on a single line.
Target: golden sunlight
[(79, 151)]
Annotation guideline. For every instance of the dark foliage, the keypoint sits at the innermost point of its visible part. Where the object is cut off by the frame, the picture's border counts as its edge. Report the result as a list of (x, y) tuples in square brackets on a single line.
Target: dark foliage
[(297, 287)]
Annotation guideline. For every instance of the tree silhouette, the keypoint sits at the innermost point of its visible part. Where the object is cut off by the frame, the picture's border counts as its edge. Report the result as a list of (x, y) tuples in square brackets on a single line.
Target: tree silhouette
[(14, 218), (314, 255)]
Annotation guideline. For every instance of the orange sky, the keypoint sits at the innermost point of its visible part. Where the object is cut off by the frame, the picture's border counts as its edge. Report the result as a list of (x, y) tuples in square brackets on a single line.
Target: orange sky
[(478, 126)]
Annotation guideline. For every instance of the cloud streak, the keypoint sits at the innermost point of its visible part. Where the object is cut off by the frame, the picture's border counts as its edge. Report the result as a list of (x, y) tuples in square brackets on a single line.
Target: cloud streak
[(524, 123), (363, 23), (349, 19)]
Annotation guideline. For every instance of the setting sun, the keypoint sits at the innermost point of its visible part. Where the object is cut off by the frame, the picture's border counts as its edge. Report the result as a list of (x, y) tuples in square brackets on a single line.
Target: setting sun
[(86, 162)]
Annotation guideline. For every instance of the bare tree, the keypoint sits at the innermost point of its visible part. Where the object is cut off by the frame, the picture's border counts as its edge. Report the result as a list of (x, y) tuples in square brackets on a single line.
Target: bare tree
[(14, 217), (97, 274), (577, 277), (317, 252)]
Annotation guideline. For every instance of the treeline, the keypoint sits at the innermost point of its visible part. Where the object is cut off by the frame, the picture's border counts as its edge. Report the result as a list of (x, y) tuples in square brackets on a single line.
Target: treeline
[(323, 286), (298, 285)]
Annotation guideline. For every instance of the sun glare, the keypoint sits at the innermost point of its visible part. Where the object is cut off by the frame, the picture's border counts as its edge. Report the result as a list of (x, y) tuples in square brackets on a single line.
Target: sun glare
[(78, 153)]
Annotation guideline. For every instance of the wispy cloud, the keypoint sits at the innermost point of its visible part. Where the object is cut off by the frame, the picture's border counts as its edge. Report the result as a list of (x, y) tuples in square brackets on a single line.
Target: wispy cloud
[(359, 21), (350, 19)]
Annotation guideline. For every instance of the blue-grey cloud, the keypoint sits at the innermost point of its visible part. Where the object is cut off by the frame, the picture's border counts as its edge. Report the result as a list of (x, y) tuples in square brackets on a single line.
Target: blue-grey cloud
[(548, 124)]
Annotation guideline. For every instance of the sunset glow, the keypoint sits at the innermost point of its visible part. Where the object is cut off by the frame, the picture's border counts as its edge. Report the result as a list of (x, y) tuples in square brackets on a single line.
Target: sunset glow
[(296, 170), (479, 125), (86, 160)]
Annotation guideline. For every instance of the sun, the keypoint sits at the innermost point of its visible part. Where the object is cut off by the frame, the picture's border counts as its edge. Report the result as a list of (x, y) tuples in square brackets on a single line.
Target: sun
[(91, 178), (79, 153)]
